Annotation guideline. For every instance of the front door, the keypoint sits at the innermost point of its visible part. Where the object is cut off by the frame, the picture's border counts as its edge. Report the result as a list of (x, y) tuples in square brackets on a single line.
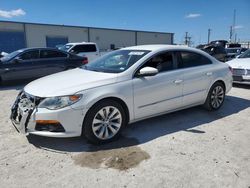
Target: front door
[(22, 67), (159, 93)]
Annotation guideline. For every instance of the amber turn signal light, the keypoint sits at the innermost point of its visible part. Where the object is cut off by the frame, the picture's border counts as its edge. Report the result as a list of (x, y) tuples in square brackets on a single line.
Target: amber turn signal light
[(47, 122)]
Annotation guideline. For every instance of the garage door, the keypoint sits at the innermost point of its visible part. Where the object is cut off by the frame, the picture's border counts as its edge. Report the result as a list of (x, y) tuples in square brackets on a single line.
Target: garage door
[(11, 41), (52, 41)]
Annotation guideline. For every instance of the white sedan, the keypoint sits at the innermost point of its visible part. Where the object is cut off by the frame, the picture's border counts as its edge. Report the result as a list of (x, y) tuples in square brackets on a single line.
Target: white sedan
[(99, 99), (241, 68)]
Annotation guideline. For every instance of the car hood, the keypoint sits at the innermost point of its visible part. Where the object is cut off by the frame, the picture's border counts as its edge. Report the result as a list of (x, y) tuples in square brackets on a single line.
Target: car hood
[(240, 63), (69, 82)]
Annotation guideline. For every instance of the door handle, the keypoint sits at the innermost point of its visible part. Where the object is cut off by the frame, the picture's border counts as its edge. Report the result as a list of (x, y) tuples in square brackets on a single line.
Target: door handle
[(178, 81), (6, 69), (209, 73)]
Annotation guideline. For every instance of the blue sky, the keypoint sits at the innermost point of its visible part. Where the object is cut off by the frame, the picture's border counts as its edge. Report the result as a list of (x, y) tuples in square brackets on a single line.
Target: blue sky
[(176, 16)]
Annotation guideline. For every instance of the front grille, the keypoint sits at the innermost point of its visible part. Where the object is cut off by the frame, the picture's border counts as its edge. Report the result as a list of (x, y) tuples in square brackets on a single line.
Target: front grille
[(239, 72)]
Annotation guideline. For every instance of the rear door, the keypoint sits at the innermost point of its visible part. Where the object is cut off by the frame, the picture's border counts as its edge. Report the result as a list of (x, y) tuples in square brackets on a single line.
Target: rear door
[(52, 61), (197, 73), (22, 67)]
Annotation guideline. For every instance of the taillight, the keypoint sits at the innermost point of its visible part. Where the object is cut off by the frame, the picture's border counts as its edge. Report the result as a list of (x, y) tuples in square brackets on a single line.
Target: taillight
[(85, 60), (231, 69)]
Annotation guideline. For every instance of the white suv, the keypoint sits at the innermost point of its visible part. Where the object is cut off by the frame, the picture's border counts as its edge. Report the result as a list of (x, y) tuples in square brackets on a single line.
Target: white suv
[(124, 86), (86, 49)]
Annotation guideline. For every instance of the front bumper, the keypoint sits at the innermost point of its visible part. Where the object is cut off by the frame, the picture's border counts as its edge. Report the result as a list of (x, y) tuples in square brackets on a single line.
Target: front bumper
[(25, 113), (243, 79)]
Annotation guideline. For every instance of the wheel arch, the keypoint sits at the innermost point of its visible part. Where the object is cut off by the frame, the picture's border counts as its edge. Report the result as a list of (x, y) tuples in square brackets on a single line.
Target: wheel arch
[(116, 99)]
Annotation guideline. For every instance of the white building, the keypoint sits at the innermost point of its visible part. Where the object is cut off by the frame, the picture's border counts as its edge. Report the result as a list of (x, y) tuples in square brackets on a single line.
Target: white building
[(16, 35)]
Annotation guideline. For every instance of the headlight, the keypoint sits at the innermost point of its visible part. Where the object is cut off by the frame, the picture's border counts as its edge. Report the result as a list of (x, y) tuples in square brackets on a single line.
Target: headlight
[(54, 103)]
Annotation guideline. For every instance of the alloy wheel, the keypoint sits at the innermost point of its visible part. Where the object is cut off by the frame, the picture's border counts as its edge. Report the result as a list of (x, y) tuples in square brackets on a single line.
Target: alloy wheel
[(107, 122), (217, 97)]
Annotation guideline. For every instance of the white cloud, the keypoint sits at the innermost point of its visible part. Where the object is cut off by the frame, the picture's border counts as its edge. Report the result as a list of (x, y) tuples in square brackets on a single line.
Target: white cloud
[(193, 15), (12, 13), (238, 27)]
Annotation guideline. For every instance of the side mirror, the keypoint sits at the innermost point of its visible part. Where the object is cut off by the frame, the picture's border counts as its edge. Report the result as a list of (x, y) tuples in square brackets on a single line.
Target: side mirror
[(72, 51), (147, 71)]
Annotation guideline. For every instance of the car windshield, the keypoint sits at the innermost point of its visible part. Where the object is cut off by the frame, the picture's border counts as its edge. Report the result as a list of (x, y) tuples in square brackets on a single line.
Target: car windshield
[(10, 56), (65, 47), (117, 61), (246, 54)]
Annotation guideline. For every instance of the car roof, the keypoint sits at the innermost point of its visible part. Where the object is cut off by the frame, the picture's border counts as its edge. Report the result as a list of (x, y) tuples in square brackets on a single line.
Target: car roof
[(157, 47), (39, 48), (76, 43)]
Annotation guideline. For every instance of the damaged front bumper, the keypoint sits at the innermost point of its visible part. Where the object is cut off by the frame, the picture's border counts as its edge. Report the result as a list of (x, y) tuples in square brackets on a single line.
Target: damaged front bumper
[(22, 110), (26, 117)]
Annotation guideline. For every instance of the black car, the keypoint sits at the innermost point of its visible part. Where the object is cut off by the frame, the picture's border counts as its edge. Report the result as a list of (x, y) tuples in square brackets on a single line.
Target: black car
[(30, 63)]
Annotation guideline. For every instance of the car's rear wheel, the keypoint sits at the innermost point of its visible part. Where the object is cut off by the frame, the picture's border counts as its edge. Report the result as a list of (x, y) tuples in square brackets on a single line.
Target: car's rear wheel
[(215, 97), (104, 122)]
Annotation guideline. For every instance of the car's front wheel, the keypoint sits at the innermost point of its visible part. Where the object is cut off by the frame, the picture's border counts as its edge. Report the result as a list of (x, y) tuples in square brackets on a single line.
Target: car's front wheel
[(215, 96), (104, 122)]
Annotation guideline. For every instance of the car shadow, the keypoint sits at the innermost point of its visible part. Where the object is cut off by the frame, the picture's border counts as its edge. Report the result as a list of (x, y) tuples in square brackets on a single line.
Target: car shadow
[(243, 86), (147, 130)]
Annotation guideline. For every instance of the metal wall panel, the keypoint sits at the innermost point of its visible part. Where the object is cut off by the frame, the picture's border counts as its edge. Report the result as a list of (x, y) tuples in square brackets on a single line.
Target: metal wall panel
[(106, 37), (36, 34), (153, 38)]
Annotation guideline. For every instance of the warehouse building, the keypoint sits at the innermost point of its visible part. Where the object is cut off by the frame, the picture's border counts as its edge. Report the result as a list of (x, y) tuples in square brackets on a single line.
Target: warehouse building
[(17, 35)]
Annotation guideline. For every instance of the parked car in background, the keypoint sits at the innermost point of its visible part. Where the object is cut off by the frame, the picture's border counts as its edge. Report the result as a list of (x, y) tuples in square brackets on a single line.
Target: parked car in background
[(99, 99), (86, 49), (30, 63), (234, 52), (217, 51), (241, 68)]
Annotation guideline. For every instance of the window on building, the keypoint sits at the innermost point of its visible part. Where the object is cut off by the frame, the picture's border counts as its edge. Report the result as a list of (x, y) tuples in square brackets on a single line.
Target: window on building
[(53, 41)]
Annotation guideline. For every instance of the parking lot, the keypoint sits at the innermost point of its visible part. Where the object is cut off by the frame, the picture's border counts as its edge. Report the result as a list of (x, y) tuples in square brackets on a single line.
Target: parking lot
[(190, 148)]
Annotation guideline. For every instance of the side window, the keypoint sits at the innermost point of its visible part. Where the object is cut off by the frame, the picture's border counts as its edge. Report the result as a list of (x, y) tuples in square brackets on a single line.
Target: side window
[(30, 55), (163, 62), (84, 48), (191, 59), (52, 54)]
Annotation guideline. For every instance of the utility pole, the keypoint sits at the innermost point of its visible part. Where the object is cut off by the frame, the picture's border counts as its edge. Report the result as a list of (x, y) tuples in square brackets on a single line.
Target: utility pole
[(186, 38), (231, 34), (234, 30), (208, 35)]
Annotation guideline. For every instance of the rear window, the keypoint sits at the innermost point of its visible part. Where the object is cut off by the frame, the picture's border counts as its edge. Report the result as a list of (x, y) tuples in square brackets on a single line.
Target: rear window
[(84, 48), (191, 59)]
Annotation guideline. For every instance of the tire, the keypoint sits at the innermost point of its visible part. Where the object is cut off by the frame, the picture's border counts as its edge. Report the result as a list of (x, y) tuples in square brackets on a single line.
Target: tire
[(104, 122), (215, 97)]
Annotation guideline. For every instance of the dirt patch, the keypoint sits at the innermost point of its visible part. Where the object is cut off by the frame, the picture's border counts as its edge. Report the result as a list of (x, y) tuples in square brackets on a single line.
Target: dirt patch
[(120, 158)]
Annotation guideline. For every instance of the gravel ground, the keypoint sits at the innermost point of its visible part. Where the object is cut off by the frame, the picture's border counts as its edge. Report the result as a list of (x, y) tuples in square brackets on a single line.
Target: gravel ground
[(190, 148)]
